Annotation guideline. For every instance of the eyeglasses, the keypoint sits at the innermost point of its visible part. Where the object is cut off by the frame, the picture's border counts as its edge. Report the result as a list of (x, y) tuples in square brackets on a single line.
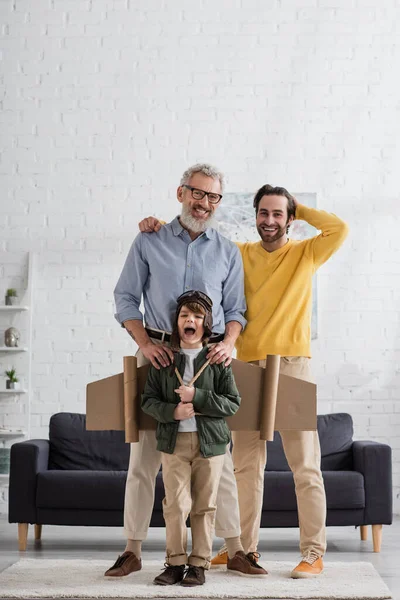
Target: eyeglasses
[(199, 194), (195, 295)]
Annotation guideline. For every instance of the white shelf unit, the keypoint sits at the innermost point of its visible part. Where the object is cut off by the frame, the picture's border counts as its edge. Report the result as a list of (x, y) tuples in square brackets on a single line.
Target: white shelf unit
[(18, 316), (18, 349), (12, 434)]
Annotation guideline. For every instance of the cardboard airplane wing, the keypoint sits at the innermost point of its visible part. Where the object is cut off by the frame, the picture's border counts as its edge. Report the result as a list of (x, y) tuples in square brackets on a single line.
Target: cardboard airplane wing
[(269, 400)]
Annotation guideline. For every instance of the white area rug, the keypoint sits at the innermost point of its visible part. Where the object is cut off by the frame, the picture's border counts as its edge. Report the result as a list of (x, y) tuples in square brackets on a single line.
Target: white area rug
[(38, 578)]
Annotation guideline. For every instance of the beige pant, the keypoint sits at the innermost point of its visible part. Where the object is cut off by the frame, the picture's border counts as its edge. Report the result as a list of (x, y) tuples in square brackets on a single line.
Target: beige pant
[(303, 454), (191, 485), (144, 464)]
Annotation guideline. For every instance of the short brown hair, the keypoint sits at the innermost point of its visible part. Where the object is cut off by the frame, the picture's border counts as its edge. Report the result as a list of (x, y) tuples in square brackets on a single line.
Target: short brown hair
[(269, 190)]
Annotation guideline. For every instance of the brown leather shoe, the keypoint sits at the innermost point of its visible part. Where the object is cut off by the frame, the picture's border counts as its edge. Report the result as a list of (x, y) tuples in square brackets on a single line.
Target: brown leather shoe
[(245, 565), (194, 576), (125, 564), (172, 574)]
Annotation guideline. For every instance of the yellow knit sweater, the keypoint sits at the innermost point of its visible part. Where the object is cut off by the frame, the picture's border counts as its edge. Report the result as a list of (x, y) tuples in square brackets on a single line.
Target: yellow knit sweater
[(278, 288)]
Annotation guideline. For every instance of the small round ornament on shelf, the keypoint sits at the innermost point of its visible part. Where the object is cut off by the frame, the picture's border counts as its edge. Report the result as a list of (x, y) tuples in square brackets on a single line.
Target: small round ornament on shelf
[(11, 337)]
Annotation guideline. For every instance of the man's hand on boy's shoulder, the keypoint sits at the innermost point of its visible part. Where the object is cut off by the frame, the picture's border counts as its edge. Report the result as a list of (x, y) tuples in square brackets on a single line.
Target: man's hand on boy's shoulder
[(221, 352), (158, 354), (150, 225)]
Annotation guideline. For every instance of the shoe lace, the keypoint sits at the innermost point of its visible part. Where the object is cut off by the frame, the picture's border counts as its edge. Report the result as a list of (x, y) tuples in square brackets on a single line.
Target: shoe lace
[(222, 550), (172, 567), (310, 557), (253, 558), (120, 561), (192, 570)]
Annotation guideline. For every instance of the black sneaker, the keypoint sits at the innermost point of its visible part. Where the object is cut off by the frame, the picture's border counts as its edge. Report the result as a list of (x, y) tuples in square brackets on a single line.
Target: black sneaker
[(170, 575), (194, 576)]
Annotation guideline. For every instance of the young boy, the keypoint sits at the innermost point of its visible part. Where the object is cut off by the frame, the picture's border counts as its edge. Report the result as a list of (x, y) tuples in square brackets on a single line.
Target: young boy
[(192, 435)]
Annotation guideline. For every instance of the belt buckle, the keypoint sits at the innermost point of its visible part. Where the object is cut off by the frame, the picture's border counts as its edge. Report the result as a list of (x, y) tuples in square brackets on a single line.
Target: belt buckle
[(163, 336)]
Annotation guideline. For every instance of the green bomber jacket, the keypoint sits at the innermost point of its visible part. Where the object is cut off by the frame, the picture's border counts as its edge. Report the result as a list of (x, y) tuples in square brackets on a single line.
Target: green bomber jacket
[(216, 397)]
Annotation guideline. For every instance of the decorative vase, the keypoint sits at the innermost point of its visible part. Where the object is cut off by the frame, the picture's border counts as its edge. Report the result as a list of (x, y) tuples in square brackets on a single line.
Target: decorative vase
[(11, 300), (11, 337), (12, 385)]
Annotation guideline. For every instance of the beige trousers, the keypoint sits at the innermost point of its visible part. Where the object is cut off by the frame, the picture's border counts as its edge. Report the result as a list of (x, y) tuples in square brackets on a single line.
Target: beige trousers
[(144, 464), (191, 485), (303, 454)]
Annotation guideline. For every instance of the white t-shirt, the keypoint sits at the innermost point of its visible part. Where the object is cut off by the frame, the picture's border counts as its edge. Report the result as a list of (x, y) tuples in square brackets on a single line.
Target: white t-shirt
[(189, 424)]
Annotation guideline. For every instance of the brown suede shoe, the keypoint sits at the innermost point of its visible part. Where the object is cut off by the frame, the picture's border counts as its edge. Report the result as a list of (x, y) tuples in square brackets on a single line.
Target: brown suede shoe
[(220, 559), (172, 574), (125, 564), (311, 565), (245, 565), (194, 576)]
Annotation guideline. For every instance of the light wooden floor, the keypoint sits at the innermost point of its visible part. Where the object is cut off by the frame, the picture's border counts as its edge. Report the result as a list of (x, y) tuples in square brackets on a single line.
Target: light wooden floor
[(344, 544)]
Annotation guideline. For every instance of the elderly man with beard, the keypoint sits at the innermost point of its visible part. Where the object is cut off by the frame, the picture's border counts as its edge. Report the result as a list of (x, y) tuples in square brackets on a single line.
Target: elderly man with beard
[(184, 255)]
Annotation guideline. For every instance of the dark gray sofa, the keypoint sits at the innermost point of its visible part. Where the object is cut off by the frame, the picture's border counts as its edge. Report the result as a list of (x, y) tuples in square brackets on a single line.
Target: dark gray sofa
[(77, 477)]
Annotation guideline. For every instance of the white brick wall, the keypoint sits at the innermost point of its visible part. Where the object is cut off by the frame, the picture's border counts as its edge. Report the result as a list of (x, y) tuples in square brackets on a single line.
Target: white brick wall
[(106, 102)]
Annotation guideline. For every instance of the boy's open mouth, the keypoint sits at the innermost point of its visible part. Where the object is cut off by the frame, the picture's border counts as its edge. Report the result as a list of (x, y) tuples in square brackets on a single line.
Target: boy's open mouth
[(189, 331)]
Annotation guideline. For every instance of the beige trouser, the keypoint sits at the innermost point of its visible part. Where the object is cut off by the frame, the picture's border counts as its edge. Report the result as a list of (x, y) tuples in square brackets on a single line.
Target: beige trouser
[(303, 454), (144, 464), (191, 485)]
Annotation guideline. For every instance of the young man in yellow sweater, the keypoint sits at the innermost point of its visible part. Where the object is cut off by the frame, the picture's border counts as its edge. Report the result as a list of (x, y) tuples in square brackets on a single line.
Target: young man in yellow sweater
[(278, 287)]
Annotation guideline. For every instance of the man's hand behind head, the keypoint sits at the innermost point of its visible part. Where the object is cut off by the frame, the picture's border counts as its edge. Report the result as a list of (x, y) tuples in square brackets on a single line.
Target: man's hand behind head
[(150, 225)]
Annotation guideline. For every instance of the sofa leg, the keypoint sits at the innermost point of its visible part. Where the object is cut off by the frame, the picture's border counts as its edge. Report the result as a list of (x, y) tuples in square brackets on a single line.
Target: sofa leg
[(377, 537), (364, 532), (22, 536), (38, 532)]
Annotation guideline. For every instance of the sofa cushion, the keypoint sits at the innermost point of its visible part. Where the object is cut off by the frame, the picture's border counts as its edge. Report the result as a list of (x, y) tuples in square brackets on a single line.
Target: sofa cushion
[(78, 489), (344, 490), (335, 433), (72, 447), (336, 438)]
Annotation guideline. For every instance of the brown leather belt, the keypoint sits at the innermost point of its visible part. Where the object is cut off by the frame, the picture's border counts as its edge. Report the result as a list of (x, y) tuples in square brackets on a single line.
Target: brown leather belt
[(164, 336)]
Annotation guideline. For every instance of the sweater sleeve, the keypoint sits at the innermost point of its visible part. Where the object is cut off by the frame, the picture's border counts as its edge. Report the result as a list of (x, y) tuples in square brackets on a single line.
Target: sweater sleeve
[(333, 233), (152, 399), (224, 401)]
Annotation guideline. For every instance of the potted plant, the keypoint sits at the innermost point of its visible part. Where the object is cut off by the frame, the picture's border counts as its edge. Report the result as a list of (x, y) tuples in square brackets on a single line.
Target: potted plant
[(12, 383), (11, 297)]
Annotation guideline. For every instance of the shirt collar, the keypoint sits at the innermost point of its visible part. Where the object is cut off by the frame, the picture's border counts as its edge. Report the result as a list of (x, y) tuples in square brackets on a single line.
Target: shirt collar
[(177, 229)]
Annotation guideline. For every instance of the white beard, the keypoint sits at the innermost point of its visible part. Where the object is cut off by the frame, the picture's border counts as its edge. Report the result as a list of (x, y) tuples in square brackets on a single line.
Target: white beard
[(190, 222)]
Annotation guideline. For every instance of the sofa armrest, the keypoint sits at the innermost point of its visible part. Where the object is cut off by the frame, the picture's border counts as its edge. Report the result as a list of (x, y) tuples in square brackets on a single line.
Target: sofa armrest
[(26, 461), (374, 461)]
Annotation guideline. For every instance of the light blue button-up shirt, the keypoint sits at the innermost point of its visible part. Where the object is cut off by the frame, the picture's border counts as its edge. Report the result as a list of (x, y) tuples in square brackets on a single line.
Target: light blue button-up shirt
[(161, 266)]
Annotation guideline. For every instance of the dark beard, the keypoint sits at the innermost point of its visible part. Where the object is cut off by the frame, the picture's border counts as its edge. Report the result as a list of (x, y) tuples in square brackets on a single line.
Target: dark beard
[(277, 236)]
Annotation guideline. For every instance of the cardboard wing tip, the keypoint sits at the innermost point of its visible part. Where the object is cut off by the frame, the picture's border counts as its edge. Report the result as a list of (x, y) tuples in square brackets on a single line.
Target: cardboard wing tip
[(104, 408)]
